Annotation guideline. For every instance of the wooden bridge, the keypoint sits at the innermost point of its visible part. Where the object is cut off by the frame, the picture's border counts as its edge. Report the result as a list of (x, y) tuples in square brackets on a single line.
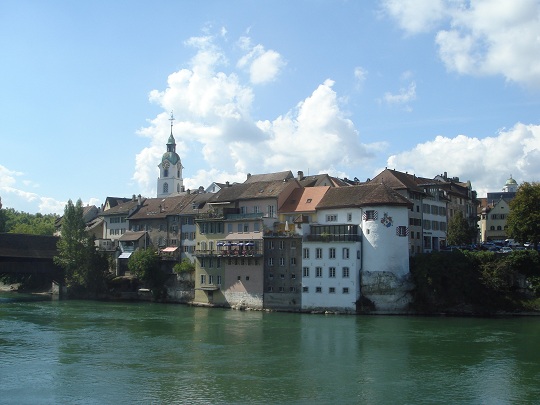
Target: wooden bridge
[(28, 254)]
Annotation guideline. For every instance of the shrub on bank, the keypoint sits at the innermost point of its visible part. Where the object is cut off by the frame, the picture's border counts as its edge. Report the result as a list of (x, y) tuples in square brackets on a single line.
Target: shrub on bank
[(475, 282)]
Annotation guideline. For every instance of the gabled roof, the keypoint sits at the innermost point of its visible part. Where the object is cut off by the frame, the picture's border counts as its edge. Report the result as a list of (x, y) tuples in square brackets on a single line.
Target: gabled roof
[(192, 204), (279, 176), (156, 207), (130, 236), (398, 180), (121, 209), (252, 190), (114, 201), (362, 195), (303, 199)]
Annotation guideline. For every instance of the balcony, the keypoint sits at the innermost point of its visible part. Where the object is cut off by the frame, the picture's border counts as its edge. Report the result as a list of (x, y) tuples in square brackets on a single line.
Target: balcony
[(230, 251), (210, 287), (332, 238)]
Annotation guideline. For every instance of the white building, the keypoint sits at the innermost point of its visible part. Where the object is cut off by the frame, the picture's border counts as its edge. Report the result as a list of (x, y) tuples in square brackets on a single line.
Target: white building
[(358, 248)]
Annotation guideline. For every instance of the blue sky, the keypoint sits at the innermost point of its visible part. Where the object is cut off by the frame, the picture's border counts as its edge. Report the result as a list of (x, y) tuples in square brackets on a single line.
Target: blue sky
[(323, 86)]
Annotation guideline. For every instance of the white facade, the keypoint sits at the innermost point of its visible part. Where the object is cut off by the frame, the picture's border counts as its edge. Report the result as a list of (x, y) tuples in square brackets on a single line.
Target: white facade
[(385, 259), (331, 264)]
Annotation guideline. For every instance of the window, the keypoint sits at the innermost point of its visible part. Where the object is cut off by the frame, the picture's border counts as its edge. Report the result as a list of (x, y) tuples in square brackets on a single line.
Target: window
[(270, 261), (305, 289), (219, 280), (247, 278), (229, 228), (293, 244), (332, 290), (345, 253), (270, 244), (318, 271), (293, 261), (203, 263), (332, 253), (281, 289), (271, 276), (345, 290), (210, 279), (370, 215), (345, 272), (292, 289), (318, 253), (282, 244), (282, 276), (305, 253), (256, 227), (246, 227), (282, 261), (427, 224), (240, 227), (203, 278), (349, 217), (402, 231), (271, 211), (318, 289), (165, 188), (293, 276), (305, 272), (270, 289), (331, 218), (256, 209), (332, 272)]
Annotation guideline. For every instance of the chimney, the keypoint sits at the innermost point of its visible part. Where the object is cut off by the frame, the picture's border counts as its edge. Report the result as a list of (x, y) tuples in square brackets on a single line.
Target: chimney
[(139, 198), (133, 198), (201, 189), (227, 184), (248, 175), (300, 175)]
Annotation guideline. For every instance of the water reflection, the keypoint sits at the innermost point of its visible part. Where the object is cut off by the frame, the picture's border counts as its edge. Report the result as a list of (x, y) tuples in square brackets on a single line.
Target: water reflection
[(97, 352)]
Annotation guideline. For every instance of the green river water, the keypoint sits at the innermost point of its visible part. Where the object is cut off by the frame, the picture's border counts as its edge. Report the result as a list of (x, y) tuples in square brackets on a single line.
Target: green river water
[(86, 352)]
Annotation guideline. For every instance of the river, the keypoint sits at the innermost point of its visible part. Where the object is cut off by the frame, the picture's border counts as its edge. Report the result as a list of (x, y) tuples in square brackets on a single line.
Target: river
[(86, 352)]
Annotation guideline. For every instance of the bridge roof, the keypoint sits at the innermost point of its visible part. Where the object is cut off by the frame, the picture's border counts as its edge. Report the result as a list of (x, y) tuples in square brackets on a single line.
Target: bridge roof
[(28, 246)]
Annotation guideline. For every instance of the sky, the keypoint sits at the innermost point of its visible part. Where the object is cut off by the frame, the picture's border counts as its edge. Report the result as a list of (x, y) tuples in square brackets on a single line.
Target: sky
[(342, 87)]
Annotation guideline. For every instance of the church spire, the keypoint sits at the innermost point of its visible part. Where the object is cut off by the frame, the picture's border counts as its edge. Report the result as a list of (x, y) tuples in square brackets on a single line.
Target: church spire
[(171, 143)]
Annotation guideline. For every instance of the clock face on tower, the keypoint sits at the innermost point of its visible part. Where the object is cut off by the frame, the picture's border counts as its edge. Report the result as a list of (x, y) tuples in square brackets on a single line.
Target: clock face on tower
[(166, 165)]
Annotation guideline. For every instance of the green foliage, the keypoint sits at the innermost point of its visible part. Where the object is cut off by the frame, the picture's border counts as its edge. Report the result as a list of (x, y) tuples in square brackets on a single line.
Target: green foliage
[(85, 269), (475, 282), (185, 266), (21, 222), (459, 230), (524, 218), (145, 264)]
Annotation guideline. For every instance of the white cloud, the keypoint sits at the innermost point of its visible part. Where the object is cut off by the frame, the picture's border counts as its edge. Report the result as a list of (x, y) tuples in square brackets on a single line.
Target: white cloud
[(404, 96), (487, 162), (360, 75), (263, 66), (488, 37), (416, 16), (212, 110)]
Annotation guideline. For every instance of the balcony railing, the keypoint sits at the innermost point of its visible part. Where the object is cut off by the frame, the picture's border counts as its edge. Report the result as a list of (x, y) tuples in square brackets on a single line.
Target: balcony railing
[(228, 253), (332, 238)]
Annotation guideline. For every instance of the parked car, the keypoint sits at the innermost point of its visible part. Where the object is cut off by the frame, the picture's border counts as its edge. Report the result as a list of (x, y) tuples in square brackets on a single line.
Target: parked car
[(505, 249)]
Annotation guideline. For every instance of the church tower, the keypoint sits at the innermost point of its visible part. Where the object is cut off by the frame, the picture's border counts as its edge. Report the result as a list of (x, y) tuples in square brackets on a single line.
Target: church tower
[(170, 180)]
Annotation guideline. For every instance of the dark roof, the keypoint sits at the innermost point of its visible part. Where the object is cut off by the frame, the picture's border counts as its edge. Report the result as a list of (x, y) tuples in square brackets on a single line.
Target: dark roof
[(158, 207), (362, 195), (28, 246), (114, 201), (121, 209), (129, 236), (252, 178), (397, 180)]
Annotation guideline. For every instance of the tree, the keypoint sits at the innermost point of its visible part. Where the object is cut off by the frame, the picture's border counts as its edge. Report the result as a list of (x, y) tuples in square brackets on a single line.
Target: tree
[(459, 230), (184, 267), (84, 267), (145, 264), (523, 221)]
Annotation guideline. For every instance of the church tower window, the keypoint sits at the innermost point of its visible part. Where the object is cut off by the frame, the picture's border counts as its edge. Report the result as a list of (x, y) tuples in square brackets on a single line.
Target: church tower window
[(165, 188)]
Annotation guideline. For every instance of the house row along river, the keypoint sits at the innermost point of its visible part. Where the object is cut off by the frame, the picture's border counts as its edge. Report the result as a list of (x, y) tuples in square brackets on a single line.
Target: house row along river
[(88, 352)]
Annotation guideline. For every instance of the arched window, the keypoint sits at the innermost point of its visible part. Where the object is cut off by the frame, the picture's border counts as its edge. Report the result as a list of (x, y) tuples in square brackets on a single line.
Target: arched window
[(165, 172), (165, 187), (491, 228), (499, 228)]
